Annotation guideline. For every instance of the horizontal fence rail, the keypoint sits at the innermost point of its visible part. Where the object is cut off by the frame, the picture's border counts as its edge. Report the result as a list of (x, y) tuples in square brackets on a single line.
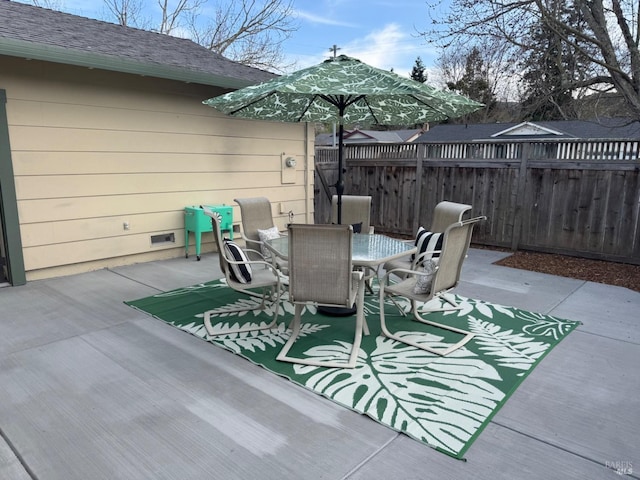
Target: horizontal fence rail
[(579, 198)]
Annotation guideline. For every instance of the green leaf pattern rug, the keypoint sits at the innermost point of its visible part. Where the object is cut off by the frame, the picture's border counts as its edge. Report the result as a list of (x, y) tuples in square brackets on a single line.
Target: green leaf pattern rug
[(444, 402)]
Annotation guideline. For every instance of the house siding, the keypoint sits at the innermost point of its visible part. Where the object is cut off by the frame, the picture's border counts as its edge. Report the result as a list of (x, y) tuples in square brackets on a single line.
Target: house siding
[(92, 150)]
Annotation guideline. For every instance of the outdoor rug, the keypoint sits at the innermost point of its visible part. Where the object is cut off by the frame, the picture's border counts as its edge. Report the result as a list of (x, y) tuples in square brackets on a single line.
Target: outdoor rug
[(444, 402)]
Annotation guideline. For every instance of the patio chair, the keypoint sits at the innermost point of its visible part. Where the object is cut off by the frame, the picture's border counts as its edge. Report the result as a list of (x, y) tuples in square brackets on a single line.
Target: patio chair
[(444, 214), (356, 211), (245, 276), (256, 220), (321, 273), (457, 238)]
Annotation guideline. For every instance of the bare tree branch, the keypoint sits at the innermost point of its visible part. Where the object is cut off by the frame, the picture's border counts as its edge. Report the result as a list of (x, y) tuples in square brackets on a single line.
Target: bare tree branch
[(172, 18), (609, 43), (248, 31), (50, 4), (126, 12)]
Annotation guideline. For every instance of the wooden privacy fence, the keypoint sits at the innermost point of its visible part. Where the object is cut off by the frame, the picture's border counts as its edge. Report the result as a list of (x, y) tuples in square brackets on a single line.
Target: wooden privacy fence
[(579, 198)]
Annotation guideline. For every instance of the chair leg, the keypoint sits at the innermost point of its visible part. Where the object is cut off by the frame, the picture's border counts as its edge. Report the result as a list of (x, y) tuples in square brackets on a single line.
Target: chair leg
[(445, 297), (294, 326), (467, 335), (212, 332), (393, 300), (438, 351), (361, 326)]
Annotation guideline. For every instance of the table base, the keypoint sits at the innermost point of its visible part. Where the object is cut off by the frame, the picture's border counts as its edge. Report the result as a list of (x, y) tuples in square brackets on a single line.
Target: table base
[(337, 311)]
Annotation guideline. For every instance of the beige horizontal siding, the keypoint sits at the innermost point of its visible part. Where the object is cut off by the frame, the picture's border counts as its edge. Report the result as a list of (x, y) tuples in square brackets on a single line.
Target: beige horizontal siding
[(92, 150), (44, 139), (65, 186), (76, 163)]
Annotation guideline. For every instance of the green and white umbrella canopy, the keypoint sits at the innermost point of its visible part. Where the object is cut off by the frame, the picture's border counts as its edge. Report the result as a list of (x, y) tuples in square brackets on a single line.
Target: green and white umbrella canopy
[(345, 91)]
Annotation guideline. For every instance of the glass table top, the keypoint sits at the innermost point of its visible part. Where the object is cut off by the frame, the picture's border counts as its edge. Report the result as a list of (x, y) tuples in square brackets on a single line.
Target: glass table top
[(368, 249)]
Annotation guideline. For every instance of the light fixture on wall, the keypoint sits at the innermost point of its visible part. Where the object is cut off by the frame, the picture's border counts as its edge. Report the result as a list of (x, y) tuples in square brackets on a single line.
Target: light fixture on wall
[(290, 162)]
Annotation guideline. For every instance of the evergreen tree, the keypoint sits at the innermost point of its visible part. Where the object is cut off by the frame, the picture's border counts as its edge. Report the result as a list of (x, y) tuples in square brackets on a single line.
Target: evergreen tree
[(552, 68), (601, 34), (475, 84), (418, 71)]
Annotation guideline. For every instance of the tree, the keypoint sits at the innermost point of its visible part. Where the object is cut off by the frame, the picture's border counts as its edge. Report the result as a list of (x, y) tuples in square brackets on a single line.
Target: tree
[(467, 73), (50, 4), (247, 31), (474, 82), (171, 18), (417, 72), (126, 12), (551, 69), (607, 37)]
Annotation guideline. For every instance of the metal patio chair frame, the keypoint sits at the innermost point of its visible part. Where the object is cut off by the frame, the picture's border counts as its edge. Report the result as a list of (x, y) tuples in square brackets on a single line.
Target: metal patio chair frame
[(321, 273), (457, 238), (265, 278), (444, 214)]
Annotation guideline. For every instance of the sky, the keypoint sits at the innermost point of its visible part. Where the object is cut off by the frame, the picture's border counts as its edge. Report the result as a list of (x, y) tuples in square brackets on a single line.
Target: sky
[(382, 33)]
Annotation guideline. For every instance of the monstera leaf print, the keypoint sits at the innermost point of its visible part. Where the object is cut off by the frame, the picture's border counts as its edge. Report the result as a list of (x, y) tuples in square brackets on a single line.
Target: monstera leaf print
[(439, 400), (515, 350), (545, 326), (468, 306), (200, 287)]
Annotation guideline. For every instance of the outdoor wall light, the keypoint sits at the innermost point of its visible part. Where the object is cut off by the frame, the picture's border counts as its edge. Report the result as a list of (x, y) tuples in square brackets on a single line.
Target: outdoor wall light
[(290, 162)]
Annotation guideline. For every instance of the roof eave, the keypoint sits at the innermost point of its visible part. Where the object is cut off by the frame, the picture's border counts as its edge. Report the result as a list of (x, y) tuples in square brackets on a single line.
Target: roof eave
[(65, 56)]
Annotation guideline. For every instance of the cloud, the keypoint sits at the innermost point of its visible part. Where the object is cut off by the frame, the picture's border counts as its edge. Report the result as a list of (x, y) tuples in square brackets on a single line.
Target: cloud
[(323, 20), (391, 47)]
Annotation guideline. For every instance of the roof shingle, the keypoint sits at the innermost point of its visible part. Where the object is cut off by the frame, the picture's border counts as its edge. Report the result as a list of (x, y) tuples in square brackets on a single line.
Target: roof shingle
[(64, 38), (603, 128)]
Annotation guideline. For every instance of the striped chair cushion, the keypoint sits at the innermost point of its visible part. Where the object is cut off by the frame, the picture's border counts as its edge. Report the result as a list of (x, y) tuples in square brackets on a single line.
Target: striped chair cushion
[(240, 272), (428, 242)]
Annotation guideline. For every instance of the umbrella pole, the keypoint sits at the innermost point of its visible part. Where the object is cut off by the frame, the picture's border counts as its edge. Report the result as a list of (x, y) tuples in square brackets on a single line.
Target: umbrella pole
[(339, 311), (340, 182)]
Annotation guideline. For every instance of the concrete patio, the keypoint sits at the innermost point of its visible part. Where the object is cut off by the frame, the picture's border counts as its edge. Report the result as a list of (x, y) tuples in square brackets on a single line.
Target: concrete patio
[(93, 389)]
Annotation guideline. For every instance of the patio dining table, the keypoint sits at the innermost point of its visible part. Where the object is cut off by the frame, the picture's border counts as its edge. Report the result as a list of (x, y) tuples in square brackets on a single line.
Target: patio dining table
[(369, 250)]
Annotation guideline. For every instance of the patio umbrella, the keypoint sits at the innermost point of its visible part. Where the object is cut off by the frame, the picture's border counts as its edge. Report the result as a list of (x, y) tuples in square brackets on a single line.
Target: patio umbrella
[(344, 90)]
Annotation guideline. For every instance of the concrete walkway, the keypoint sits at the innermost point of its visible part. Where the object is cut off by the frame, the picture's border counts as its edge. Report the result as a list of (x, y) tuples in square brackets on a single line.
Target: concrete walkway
[(92, 389)]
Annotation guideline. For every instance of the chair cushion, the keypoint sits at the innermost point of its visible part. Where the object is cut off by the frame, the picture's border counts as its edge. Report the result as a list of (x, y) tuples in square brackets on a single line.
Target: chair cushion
[(240, 272), (425, 279), (267, 234), (428, 242)]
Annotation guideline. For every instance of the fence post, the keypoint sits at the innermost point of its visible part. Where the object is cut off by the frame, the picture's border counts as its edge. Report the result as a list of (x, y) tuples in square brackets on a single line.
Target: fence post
[(521, 185), (421, 155)]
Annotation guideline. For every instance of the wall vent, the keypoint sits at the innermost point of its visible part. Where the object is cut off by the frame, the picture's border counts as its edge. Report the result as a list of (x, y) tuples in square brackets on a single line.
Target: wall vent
[(163, 238)]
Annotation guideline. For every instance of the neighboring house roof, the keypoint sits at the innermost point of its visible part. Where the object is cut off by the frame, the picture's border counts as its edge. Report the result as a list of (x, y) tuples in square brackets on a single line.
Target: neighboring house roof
[(603, 128), (325, 139), (371, 136), (527, 128), (367, 136), (42, 34)]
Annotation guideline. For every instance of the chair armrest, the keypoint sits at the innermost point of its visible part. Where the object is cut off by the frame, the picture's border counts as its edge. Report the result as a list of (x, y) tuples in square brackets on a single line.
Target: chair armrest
[(410, 272), (420, 258), (251, 243), (257, 252), (264, 263)]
